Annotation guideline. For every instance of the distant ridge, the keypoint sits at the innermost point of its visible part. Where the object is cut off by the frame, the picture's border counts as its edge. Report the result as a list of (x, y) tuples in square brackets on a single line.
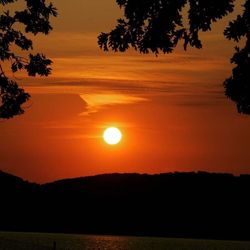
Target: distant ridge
[(189, 205)]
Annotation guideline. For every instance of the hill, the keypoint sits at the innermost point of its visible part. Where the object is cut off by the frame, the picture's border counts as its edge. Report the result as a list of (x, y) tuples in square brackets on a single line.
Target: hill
[(189, 205)]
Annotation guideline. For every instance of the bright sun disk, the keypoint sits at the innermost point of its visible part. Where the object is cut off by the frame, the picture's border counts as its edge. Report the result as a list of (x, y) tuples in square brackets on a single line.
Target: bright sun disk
[(112, 136)]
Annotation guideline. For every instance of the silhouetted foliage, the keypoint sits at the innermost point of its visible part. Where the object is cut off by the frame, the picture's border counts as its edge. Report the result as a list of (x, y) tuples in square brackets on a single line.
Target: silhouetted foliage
[(237, 87), (158, 25), (36, 19), (190, 205)]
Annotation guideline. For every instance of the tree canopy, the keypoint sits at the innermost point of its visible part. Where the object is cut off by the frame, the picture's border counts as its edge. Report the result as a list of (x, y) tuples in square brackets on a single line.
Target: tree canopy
[(35, 18), (154, 26)]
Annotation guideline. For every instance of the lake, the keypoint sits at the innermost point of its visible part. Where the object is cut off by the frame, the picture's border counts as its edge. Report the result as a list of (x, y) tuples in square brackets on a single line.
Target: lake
[(44, 241)]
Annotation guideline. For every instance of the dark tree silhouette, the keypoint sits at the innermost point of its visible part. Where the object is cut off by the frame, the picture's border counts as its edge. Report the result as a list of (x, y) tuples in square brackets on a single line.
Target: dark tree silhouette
[(158, 25), (36, 19), (237, 87)]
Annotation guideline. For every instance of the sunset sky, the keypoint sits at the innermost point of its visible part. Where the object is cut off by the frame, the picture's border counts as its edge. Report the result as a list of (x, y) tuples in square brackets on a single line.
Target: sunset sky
[(171, 109)]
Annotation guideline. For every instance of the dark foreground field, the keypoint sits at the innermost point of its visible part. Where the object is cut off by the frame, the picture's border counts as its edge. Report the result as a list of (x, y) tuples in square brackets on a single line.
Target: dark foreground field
[(38, 241), (175, 205)]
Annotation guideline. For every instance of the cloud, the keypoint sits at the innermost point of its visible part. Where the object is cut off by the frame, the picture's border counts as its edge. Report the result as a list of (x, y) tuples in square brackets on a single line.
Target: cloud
[(98, 101)]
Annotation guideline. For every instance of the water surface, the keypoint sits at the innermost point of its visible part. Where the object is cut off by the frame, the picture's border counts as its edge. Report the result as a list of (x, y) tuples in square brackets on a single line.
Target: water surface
[(41, 241)]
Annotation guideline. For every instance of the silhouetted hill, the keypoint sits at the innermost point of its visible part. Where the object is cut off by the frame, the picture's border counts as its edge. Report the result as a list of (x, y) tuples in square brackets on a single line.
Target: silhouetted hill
[(13, 182), (195, 205)]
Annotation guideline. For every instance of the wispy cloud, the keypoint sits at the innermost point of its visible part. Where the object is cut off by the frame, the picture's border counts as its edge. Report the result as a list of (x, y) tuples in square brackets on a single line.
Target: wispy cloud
[(97, 101)]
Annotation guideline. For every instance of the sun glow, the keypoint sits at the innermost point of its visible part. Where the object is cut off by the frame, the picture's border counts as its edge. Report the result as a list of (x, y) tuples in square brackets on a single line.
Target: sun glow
[(112, 136)]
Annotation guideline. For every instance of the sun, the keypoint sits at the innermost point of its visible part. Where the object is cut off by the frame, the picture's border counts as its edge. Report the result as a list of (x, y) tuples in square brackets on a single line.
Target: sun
[(112, 136)]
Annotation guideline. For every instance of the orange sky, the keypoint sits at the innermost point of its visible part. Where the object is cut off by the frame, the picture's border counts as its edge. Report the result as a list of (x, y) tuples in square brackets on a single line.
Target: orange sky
[(171, 109)]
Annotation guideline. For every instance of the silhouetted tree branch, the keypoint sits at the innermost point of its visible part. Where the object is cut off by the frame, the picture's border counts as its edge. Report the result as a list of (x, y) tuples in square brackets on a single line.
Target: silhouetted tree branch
[(237, 87), (158, 26), (36, 19)]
